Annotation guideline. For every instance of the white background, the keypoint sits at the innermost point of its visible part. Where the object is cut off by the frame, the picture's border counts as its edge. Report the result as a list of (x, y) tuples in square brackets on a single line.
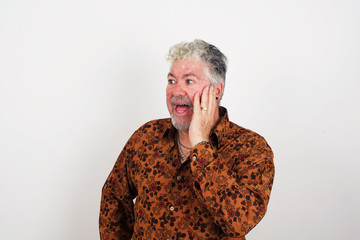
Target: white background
[(77, 78)]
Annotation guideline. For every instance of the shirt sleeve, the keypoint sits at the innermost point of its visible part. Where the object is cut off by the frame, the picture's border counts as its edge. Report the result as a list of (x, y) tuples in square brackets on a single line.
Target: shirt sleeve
[(116, 219), (236, 196)]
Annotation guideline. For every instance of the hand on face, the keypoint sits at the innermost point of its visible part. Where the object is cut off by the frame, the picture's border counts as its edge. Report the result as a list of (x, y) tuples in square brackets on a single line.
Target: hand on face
[(203, 120)]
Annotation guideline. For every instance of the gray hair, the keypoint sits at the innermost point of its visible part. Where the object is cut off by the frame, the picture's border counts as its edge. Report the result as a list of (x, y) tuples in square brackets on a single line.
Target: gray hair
[(215, 60)]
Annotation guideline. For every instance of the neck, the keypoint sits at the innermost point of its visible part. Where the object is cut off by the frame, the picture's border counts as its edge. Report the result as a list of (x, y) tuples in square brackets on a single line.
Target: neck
[(184, 138), (183, 145)]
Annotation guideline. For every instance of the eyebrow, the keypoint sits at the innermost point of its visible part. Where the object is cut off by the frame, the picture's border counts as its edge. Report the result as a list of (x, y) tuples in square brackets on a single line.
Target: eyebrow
[(190, 75), (186, 75)]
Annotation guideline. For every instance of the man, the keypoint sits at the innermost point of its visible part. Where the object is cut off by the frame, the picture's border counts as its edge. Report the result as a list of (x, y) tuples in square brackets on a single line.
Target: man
[(196, 175)]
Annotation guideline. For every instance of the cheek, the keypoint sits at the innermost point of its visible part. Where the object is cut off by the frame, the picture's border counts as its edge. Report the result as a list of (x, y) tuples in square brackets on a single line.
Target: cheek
[(168, 96), (192, 93)]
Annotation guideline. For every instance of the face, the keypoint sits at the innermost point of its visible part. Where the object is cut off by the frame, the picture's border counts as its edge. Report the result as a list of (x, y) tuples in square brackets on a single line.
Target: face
[(185, 79)]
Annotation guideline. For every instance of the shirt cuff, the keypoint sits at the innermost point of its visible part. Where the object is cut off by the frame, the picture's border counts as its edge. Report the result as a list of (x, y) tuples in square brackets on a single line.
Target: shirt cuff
[(201, 156)]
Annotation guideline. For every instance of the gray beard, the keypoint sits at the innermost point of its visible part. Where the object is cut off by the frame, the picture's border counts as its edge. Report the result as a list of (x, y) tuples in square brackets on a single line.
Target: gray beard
[(184, 126), (180, 127)]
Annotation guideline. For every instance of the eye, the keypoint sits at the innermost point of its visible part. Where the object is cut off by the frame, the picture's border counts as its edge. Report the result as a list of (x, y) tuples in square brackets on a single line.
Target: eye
[(171, 81), (189, 81)]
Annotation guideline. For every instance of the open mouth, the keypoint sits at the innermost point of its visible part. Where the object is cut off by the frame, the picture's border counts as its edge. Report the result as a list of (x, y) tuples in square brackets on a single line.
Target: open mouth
[(181, 105), (181, 108)]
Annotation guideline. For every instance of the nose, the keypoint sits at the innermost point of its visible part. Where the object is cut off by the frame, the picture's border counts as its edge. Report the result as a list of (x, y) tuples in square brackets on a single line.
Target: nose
[(179, 89)]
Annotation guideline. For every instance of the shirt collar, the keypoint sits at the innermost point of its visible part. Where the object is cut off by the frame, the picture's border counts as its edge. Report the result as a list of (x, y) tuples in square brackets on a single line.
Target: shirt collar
[(170, 131), (217, 135)]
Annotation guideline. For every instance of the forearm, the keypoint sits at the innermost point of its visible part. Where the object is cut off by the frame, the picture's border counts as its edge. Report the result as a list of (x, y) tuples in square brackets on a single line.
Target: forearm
[(116, 218), (237, 198)]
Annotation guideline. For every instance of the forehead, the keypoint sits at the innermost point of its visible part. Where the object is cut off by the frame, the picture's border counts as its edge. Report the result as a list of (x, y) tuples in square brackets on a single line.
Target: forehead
[(189, 65)]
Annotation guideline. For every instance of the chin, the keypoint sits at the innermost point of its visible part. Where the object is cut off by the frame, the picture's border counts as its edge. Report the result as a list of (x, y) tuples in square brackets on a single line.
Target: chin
[(180, 124)]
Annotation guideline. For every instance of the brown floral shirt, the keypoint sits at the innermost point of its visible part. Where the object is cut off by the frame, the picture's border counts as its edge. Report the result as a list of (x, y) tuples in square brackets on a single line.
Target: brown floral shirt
[(220, 192)]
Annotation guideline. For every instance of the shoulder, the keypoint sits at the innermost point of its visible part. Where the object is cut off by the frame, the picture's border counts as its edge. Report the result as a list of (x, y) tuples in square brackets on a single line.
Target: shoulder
[(153, 128), (237, 137), (149, 132), (157, 126), (246, 138), (241, 132)]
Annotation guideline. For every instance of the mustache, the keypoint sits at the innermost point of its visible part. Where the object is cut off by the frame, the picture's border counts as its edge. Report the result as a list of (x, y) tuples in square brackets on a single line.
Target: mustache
[(183, 99)]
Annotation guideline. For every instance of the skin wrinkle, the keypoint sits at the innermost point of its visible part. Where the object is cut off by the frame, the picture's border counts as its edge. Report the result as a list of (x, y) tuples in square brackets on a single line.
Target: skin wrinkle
[(180, 72), (208, 53)]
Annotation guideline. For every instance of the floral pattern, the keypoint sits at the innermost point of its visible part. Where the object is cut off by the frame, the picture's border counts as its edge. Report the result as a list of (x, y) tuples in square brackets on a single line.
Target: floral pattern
[(220, 192)]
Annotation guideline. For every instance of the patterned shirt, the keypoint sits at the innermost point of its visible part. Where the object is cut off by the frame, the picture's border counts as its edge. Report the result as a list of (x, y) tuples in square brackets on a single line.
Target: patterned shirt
[(221, 191)]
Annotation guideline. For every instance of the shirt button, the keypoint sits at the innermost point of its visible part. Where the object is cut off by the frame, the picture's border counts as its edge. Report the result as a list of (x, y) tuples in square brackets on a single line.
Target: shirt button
[(194, 158), (178, 177), (171, 208)]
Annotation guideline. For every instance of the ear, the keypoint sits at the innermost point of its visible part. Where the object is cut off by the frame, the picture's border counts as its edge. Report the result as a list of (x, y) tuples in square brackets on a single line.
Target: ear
[(219, 88)]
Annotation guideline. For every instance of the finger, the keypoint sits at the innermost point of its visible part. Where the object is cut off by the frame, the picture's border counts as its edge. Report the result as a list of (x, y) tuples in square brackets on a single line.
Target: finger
[(205, 97), (197, 103), (212, 100), (211, 108)]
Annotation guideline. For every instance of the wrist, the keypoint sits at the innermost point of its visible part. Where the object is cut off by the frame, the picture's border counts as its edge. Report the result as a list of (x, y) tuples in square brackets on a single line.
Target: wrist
[(199, 141)]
